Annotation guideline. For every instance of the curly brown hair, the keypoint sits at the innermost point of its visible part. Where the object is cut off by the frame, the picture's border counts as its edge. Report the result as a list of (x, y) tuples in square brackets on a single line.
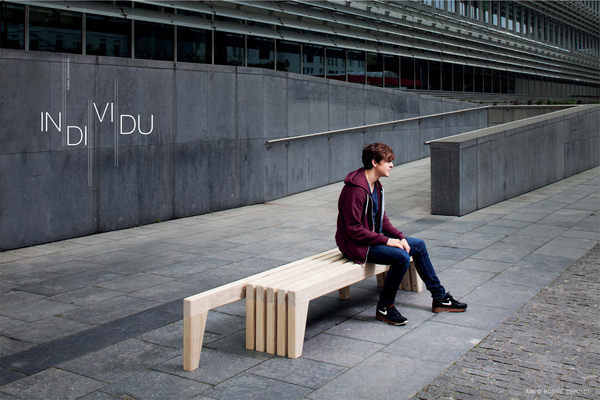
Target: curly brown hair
[(376, 151)]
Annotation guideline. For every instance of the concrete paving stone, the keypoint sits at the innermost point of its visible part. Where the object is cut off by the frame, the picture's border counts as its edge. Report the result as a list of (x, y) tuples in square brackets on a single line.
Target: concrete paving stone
[(86, 296), (224, 324), (98, 395), (463, 281), (254, 265), (529, 214), (374, 331), (155, 385), (35, 310), (248, 386), (298, 371), (382, 376), (10, 345), (561, 251), (338, 350), (564, 217), (166, 292), (519, 238), (451, 341), (474, 240), (575, 233), (132, 283), (52, 384), (477, 316), (588, 224), (36, 275), (108, 310), (509, 223), (505, 252), (18, 297), (7, 376), (189, 267), (483, 265), (45, 330), (236, 343), (114, 257), (590, 203), (578, 243), (119, 361), (69, 282), (495, 230), (452, 253), (215, 366), (499, 294)]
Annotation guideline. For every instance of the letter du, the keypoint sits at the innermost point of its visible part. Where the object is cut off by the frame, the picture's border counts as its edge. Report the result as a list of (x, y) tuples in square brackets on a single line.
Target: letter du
[(134, 124)]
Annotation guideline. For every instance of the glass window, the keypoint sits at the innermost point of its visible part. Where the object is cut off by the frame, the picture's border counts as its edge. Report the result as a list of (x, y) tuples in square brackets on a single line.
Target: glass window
[(487, 80), (194, 45), (154, 41), (511, 82), (447, 77), (421, 74), (434, 75), (407, 72), (261, 52), (486, 12), (478, 79), (375, 69), (336, 63), (313, 60), (495, 11), (229, 48), (468, 73), (12, 26), (54, 30), (496, 81), (457, 84), (288, 56), (356, 66), (391, 66), (107, 36), (503, 16), (504, 81)]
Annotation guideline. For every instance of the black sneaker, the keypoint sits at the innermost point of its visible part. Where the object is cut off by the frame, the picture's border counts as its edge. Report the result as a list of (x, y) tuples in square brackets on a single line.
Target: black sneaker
[(390, 315), (448, 304)]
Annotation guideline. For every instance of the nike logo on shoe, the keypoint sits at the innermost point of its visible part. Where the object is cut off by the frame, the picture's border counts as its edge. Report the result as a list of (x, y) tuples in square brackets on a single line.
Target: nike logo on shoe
[(446, 303), (382, 312)]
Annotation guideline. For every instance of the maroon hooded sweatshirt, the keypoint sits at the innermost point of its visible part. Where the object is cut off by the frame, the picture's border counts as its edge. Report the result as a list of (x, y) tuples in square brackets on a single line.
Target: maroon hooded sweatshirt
[(355, 231)]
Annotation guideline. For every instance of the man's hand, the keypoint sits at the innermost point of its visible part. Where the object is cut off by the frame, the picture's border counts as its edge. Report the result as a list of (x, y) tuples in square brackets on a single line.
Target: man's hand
[(401, 243)]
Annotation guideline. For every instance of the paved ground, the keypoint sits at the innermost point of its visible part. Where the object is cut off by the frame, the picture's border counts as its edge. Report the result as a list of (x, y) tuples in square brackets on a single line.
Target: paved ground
[(99, 317), (550, 348)]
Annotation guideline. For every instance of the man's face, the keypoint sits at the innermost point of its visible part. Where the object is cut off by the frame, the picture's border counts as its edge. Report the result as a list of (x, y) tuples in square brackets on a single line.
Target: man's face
[(383, 168)]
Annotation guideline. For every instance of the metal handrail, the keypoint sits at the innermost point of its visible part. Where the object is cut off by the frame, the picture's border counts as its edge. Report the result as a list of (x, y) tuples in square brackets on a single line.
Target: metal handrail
[(380, 124)]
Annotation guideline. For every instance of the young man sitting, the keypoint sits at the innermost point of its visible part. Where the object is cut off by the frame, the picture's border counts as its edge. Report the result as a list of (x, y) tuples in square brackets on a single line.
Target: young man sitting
[(365, 234)]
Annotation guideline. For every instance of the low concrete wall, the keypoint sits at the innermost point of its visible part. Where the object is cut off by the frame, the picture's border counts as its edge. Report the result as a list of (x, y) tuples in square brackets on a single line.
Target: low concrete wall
[(480, 168), (92, 144), (502, 114)]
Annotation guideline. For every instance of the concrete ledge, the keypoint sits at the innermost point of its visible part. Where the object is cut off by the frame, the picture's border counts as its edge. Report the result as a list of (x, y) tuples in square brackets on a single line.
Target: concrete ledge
[(473, 170)]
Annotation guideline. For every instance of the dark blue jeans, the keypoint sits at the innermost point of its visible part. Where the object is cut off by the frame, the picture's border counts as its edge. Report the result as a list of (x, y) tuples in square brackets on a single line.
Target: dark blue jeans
[(399, 260)]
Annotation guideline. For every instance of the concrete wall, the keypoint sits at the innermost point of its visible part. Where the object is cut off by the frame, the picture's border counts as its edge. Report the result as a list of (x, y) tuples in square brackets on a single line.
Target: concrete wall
[(206, 150), (480, 168)]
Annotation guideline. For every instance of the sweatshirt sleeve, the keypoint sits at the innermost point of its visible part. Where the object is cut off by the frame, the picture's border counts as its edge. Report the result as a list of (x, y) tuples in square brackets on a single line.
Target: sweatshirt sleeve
[(352, 206), (389, 230)]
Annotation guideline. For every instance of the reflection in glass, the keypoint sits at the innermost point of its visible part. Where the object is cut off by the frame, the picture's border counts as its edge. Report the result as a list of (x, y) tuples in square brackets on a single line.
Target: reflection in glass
[(336, 63), (229, 48), (313, 60), (421, 74), (261, 52), (457, 84), (375, 69), (356, 66), (446, 77), (407, 72), (12, 26), (54, 30), (478, 78), (193, 45), (288, 56), (154, 41), (434, 75), (487, 80), (391, 66), (107, 36), (468, 70), (496, 81)]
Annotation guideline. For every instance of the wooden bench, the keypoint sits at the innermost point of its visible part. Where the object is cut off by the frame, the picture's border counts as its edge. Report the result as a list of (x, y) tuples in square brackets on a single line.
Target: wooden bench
[(277, 302)]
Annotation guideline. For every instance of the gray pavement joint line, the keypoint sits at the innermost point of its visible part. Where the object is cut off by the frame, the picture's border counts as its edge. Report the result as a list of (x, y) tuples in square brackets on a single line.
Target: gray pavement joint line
[(41, 357)]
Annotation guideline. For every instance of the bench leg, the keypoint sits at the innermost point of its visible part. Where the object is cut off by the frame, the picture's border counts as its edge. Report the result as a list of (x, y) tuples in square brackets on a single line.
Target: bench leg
[(193, 335), (281, 323), (271, 322), (381, 279), (344, 293), (260, 318), (297, 314), (250, 317)]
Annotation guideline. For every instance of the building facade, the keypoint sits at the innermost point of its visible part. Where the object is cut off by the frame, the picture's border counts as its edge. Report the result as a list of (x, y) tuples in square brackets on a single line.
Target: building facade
[(546, 49)]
